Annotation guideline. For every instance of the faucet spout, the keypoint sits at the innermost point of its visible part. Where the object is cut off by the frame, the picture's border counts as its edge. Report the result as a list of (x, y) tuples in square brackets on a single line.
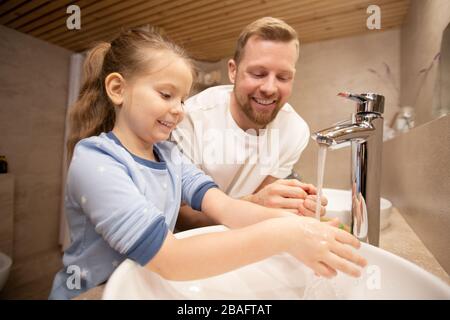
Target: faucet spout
[(344, 133)]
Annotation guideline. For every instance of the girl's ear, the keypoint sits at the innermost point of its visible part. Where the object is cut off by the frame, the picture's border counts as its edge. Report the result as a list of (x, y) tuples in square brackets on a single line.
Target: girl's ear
[(115, 87), (232, 68)]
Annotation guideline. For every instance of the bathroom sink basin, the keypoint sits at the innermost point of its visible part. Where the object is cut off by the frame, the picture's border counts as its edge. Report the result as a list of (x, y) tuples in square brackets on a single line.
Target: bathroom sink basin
[(340, 206), (282, 277)]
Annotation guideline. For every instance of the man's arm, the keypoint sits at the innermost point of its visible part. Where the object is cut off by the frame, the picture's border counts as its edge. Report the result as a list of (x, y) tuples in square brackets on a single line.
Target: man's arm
[(289, 194), (189, 218)]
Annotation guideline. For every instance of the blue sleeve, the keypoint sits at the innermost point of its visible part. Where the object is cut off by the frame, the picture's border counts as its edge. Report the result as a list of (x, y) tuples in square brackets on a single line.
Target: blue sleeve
[(120, 213), (149, 243), (194, 184)]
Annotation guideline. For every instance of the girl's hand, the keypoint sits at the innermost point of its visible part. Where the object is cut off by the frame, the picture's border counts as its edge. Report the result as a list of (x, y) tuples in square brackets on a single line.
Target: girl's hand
[(324, 248)]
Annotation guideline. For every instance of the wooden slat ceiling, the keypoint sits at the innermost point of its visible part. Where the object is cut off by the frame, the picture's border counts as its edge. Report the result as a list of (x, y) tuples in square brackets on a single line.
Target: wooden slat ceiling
[(208, 29)]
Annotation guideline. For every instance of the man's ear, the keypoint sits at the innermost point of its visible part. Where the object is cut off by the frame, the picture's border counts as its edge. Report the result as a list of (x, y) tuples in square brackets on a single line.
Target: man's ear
[(115, 87), (232, 69)]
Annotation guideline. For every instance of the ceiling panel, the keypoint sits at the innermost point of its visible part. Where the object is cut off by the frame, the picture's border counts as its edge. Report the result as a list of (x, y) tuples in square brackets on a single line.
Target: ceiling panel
[(207, 28)]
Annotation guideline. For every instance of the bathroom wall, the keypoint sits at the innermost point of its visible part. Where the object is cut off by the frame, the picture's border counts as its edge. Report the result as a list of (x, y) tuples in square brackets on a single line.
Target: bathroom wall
[(416, 168), (33, 92), (415, 177), (420, 43), (6, 213)]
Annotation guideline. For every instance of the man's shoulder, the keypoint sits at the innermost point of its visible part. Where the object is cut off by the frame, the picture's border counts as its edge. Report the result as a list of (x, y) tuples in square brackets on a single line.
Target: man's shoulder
[(290, 122), (212, 98)]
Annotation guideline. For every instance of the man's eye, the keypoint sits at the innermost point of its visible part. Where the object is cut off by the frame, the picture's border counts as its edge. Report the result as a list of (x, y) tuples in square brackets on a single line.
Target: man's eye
[(258, 75)]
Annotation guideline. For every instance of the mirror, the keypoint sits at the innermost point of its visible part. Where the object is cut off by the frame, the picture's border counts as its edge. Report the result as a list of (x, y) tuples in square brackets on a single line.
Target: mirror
[(441, 99)]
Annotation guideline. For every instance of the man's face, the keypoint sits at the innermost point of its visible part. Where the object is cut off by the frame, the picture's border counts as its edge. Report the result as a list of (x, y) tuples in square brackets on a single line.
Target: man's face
[(263, 79)]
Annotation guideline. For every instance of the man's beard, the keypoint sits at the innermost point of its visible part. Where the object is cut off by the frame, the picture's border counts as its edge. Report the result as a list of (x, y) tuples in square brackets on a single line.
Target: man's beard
[(259, 118)]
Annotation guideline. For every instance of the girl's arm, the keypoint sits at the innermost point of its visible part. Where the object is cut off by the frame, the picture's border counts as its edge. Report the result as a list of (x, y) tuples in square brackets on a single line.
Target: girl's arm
[(211, 254), (319, 246), (235, 213)]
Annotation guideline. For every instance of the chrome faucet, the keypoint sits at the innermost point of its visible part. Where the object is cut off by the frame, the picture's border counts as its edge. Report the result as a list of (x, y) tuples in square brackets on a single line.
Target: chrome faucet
[(365, 132)]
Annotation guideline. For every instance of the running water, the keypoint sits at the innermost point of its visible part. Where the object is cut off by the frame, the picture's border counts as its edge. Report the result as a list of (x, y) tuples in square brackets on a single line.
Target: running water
[(320, 171), (317, 287)]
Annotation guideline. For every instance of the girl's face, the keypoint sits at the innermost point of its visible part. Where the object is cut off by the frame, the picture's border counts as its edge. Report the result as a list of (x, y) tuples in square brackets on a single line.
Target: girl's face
[(152, 103)]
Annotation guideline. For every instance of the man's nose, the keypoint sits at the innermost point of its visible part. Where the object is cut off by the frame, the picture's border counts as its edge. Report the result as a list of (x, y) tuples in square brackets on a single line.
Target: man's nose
[(269, 86)]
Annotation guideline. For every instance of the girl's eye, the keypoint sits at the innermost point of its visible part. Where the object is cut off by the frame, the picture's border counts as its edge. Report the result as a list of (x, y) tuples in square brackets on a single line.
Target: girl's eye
[(165, 95)]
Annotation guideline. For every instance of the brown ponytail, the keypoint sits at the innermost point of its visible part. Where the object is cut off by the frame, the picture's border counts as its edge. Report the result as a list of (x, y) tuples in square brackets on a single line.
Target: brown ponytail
[(93, 112)]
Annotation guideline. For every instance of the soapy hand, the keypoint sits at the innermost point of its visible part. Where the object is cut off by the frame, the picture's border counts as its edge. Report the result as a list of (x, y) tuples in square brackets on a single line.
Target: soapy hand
[(292, 195), (326, 249)]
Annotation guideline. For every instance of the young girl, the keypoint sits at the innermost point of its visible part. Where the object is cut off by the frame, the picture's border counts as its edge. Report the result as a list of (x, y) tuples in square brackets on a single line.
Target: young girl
[(125, 182)]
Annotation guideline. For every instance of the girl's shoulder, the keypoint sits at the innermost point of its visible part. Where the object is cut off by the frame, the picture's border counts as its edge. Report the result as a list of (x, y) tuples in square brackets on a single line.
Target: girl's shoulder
[(99, 147)]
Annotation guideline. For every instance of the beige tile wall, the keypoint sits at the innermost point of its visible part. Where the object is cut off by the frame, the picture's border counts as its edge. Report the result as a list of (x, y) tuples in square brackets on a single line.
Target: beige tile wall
[(6, 213), (421, 41), (33, 91)]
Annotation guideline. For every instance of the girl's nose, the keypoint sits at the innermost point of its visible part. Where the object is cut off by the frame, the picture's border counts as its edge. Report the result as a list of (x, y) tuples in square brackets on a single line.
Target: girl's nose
[(177, 108)]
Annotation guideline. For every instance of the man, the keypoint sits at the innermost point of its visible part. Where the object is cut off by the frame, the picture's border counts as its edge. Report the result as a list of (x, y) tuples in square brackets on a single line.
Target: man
[(246, 136)]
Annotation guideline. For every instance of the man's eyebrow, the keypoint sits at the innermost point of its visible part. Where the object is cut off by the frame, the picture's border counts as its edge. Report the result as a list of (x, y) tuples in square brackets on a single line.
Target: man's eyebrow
[(291, 71), (287, 72), (261, 67)]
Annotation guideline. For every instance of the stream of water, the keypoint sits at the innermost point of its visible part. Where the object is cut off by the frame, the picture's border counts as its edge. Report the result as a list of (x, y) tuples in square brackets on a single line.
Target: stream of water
[(320, 172), (318, 287)]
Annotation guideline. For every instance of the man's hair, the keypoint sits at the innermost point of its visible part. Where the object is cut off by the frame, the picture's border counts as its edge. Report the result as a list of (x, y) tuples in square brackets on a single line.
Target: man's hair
[(266, 28)]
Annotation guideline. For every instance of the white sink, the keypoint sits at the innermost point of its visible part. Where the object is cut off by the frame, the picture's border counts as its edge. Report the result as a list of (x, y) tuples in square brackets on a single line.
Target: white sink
[(282, 277), (340, 206)]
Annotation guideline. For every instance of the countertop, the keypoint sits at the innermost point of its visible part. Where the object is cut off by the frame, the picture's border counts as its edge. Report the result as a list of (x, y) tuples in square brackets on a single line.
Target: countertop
[(397, 238)]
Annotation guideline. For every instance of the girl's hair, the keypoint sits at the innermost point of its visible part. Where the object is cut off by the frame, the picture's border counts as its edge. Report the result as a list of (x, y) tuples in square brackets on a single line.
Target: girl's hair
[(93, 112)]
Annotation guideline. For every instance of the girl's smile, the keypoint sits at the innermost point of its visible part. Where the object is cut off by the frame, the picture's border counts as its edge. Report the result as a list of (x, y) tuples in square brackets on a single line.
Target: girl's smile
[(167, 125)]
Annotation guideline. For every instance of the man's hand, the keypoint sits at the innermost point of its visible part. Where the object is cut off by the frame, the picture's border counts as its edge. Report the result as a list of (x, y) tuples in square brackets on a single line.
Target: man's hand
[(289, 194)]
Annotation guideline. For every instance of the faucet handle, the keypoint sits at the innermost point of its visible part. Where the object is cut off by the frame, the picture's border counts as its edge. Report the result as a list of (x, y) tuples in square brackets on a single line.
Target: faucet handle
[(366, 102)]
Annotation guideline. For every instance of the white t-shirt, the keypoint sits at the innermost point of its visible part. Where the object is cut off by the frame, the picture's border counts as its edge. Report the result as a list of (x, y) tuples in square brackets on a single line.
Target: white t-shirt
[(238, 161)]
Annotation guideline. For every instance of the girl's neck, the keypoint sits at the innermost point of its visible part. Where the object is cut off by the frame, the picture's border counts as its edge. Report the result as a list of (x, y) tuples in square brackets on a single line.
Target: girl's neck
[(134, 144)]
